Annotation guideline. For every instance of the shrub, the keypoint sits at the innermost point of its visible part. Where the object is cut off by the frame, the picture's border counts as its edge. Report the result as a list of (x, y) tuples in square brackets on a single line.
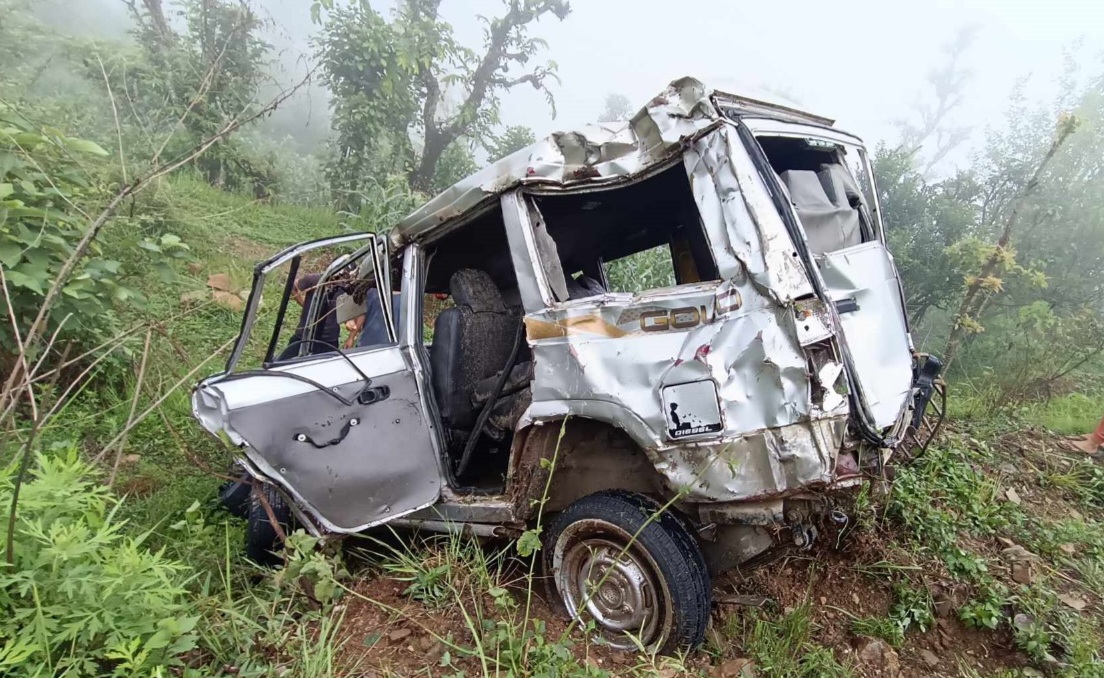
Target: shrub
[(82, 598), (42, 185)]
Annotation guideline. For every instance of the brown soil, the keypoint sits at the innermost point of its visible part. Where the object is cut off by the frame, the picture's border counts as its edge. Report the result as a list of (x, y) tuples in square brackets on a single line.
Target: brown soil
[(841, 579), (385, 633)]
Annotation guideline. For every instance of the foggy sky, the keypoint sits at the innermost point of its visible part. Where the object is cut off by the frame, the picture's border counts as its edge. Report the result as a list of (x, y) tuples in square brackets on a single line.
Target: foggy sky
[(863, 62)]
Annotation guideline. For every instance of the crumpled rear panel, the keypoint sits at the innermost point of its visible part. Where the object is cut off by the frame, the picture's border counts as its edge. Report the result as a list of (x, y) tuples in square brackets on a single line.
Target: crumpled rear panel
[(883, 358), (597, 358)]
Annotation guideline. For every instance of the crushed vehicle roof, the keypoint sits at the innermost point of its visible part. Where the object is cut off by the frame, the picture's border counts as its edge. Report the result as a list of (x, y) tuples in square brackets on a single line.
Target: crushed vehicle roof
[(596, 154)]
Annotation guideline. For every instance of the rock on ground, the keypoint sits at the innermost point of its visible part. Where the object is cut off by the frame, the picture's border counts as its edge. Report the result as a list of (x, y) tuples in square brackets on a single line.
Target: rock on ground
[(877, 658)]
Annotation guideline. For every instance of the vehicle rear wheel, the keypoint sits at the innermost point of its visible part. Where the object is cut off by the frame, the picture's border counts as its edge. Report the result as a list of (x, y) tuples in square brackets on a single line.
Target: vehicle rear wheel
[(262, 542), (654, 589)]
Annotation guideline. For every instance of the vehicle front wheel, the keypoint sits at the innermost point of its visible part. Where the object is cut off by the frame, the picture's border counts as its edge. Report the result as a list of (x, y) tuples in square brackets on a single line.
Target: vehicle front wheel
[(638, 574), (262, 542)]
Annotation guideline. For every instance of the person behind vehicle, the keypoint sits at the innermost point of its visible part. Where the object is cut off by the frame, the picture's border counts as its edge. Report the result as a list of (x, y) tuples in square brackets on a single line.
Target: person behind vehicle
[(234, 494), (327, 333), (369, 328), (1092, 444)]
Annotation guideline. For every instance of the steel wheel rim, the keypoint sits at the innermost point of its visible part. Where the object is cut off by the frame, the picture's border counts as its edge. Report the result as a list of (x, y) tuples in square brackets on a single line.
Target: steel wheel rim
[(620, 589)]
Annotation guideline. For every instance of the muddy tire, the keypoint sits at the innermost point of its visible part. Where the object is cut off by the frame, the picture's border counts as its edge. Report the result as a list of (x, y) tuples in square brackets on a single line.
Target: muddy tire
[(655, 589), (234, 495), (262, 542)]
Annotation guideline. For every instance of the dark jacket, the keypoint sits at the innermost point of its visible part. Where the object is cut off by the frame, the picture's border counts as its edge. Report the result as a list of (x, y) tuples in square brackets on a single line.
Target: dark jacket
[(374, 332), (327, 334)]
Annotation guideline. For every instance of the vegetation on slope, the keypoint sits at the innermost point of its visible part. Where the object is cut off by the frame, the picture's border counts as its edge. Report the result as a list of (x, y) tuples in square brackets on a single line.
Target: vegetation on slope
[(982, 558)]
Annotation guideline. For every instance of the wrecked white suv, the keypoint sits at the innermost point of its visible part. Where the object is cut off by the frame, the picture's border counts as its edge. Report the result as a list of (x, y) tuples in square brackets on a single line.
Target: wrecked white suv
[(770, 367)]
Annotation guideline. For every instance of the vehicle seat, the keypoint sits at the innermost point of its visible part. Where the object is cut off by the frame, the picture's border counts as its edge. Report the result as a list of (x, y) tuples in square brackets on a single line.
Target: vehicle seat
[(584, 286), (471, 342), (822, 204), (513, 400)]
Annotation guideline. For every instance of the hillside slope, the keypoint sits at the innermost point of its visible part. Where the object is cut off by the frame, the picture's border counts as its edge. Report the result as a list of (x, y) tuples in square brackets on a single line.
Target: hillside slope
[(985, 557)]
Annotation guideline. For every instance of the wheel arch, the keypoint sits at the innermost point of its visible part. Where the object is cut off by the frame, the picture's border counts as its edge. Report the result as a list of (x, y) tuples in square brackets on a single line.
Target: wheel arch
[(590, 456)]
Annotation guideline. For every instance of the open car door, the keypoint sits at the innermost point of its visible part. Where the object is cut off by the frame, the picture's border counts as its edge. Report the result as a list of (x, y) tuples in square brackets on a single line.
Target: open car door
[(343, 432), (827, 180)]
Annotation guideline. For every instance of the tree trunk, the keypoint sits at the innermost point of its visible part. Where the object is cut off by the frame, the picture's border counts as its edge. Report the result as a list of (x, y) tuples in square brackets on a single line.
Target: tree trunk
[(976, 293), (421, 177), (160, 24)]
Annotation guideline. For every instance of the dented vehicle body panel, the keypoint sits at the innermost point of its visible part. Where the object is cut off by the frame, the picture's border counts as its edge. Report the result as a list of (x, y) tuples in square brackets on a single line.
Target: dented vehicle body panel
[(324, 430), (766, 373)]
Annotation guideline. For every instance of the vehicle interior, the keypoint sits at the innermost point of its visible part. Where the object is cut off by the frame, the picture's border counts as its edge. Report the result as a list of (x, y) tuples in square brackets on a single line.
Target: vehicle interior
[(828, 200), (480, 365)]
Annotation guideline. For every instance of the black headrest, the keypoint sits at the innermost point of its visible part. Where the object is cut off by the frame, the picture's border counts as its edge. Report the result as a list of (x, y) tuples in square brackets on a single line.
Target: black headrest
[(476, 290)]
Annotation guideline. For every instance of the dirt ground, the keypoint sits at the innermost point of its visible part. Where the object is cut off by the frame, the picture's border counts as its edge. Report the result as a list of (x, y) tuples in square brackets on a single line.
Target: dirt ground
[(844, 577)]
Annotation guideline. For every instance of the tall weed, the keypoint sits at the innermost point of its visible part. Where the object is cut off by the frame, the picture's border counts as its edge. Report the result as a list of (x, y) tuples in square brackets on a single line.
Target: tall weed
[(83, 597)]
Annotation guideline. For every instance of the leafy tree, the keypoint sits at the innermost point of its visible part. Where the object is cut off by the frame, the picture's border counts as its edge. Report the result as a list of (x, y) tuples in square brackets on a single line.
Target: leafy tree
[(617, 108), (1010, 252), (999, 257), (923, 221), (196, 80), (41, 178), (513, 139), (390, 82), (455, 164)]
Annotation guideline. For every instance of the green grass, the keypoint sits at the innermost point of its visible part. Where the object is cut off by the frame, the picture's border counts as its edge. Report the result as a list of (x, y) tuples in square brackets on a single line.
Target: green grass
[(782, 647), (879, 627), (203, 210), (1073, 414), (951, 500), (1069, 414)]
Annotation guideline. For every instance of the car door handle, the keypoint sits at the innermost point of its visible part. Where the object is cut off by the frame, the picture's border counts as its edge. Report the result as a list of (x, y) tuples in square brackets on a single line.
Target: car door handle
[(849, 305), (318, 445), (373, 395)]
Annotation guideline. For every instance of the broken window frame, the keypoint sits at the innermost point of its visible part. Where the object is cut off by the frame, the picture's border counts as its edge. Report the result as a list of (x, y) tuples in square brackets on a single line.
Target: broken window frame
[(338, 264), (294, 255), (533, 286), (546, 263), (872, 212)]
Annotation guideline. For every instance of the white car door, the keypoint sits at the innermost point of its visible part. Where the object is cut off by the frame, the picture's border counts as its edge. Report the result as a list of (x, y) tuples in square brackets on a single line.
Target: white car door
[(345, 433)]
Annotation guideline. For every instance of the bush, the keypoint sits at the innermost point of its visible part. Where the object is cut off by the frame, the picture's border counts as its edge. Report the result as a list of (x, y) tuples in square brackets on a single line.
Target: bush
[(42, 186), (82, 598)]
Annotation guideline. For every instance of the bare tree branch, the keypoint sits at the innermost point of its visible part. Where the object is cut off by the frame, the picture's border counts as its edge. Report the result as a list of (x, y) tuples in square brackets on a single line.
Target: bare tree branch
[(20, 345), (164, 396), (115, 112), (133, 188)]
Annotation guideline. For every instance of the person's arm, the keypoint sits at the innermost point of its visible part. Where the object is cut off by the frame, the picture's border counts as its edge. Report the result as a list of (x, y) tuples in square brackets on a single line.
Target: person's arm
[(354, 326)]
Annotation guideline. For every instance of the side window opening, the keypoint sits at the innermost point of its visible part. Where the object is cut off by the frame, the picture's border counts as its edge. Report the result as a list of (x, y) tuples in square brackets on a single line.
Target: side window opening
[(283, 330), (631, 239), (360, 311), (480, 244), (645, 270), (832, 205)]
